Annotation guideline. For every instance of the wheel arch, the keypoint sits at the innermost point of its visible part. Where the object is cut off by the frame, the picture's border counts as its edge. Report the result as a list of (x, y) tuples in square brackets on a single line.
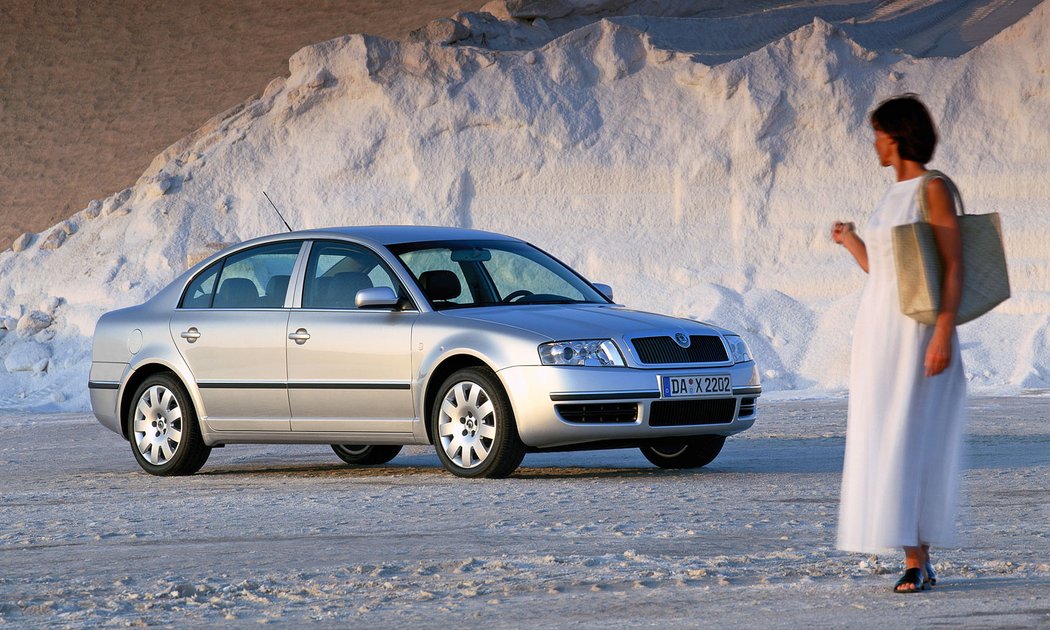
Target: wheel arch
[(132, 382), (447, 367)]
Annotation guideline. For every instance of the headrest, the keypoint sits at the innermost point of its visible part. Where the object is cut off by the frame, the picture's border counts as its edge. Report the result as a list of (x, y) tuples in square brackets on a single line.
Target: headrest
[(343, 288), (440, 284), (237, 293), (276, 289)]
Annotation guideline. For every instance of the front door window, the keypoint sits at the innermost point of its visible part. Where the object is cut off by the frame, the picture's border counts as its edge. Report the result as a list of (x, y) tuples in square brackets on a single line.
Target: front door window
[(337, 271)]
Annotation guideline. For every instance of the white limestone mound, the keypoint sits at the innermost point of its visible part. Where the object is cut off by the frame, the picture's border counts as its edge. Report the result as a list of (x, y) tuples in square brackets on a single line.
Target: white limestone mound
[(33, 322), (160, 184), (29, 356), (93, 209), (54, 240), (22, 242), (692, 155)]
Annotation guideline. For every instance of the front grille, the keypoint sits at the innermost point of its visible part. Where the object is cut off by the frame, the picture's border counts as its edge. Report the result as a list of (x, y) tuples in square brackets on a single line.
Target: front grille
[(605, 413), (747, 407), (665, 350), (677, 413)]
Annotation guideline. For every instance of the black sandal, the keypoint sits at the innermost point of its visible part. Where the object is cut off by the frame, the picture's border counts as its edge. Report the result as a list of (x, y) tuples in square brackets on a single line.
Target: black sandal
[(931, 579), (913, 577)]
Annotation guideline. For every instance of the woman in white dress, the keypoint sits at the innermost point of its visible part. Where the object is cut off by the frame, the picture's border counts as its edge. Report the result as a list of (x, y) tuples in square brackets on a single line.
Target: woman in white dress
[(907, 401)]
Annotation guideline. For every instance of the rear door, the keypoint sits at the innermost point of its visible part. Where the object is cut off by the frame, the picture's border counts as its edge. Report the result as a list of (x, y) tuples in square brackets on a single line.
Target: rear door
[(231, 330), (349, 369)]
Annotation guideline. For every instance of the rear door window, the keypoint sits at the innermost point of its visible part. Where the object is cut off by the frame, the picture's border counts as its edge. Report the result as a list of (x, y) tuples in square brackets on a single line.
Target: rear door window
[(255, 278)]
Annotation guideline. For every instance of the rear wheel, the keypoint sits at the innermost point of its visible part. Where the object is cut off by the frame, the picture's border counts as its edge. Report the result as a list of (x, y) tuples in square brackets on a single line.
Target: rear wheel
[(366, 455), (473, 426), (163, 429), (685, 452)]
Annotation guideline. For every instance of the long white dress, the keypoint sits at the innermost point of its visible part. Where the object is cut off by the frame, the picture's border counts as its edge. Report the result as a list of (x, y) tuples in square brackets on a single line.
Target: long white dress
[(904, 433)]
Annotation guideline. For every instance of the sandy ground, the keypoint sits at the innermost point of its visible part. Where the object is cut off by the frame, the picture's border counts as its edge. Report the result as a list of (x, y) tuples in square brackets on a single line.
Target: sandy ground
[(287, 535), (90, 92)]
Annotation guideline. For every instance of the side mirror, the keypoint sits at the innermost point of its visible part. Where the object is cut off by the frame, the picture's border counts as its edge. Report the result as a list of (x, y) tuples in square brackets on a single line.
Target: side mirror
[(376, 297), (605, 290)]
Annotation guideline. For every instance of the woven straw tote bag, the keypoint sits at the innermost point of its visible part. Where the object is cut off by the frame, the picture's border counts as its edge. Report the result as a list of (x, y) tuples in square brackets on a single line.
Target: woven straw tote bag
[(919, 274)]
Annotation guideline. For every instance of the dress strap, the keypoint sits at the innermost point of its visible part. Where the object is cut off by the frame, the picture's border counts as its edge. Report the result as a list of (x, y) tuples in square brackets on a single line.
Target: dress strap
[(924, 209)]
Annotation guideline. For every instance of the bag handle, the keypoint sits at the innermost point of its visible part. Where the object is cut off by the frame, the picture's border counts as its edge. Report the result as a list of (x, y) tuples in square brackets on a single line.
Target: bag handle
[(924, 208)]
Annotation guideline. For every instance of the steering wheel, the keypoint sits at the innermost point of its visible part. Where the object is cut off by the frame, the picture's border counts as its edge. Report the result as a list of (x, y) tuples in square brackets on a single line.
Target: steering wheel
[(520, 293)]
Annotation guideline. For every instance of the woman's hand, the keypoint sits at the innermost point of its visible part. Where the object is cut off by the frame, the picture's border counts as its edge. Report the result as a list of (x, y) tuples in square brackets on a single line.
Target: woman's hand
[(841, 230), (938, 352), (845, 234)]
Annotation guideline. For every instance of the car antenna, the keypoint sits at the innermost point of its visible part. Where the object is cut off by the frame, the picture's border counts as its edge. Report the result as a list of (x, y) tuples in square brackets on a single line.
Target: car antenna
[(277, 211)]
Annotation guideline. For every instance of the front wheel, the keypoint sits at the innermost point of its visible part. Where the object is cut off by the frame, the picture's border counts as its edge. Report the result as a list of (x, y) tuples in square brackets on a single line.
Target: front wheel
[(163, 429), (473, 426), (684, 452), (366, 455)]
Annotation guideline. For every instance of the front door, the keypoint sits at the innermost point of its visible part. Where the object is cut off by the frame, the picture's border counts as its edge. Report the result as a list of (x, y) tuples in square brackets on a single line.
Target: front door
[(349, 369)]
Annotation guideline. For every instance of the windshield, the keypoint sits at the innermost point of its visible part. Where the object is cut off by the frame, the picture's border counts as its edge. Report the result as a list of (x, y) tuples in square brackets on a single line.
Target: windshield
[(460, 274)]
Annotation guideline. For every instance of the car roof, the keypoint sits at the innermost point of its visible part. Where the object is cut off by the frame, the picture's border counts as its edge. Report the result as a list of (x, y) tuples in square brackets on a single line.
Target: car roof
[(396, 234)]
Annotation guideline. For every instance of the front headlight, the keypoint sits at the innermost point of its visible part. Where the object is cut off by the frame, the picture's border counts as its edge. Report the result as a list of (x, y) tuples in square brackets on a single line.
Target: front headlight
[(738, 349), (587, 352)]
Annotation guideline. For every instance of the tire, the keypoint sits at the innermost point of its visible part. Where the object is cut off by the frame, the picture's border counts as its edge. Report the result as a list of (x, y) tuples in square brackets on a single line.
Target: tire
[(685, 452), (473, 427), (366, 455), (163, 430)]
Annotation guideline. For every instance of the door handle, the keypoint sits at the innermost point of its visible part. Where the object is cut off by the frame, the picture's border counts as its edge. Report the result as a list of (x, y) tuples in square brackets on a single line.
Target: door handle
[(300, 336), (191, 335)]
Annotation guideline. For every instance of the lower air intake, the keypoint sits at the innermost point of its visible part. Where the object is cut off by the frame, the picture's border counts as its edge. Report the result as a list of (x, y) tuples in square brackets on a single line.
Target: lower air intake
[(606, 413), (679, 413)]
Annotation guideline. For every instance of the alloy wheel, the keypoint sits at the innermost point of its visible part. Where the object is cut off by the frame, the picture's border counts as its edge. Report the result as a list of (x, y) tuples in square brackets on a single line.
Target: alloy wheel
[(467, 424), (158, 425)]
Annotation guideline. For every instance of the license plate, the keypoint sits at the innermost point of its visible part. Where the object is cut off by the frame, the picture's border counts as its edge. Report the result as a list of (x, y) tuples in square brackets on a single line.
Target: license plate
[(707, 385)]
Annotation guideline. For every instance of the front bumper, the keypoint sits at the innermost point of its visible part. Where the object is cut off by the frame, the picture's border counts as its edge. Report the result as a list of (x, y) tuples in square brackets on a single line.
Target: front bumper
[(542, 396)]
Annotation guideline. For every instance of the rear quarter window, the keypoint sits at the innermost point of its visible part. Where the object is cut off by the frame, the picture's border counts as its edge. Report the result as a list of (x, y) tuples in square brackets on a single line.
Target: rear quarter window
[(199, 293)]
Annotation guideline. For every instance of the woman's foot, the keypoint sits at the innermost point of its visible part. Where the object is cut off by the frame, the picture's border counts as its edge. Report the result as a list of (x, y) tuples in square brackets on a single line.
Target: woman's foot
[(930, 579), (911, 582)]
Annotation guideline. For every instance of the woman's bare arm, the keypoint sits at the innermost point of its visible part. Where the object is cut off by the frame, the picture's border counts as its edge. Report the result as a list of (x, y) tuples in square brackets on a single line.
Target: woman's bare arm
[(949, 245), (844, 234)]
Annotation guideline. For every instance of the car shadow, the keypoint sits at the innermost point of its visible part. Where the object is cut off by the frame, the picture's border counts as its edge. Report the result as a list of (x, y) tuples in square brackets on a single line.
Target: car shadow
[(563, 472), (393, 470), (320, 470)]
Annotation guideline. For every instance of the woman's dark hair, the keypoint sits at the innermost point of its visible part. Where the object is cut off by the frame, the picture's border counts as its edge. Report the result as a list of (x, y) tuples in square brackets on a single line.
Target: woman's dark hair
[(905, 119)]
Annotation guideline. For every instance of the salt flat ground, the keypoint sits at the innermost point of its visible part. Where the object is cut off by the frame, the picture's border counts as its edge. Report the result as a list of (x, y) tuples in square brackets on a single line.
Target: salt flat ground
[(287, 535)]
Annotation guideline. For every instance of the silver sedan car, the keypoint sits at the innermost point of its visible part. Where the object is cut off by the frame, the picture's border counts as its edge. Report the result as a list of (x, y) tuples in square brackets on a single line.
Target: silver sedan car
[(371, 338)]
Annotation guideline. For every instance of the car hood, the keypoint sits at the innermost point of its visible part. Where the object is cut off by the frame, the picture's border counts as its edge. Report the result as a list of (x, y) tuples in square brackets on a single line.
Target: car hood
[(560, 322)]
